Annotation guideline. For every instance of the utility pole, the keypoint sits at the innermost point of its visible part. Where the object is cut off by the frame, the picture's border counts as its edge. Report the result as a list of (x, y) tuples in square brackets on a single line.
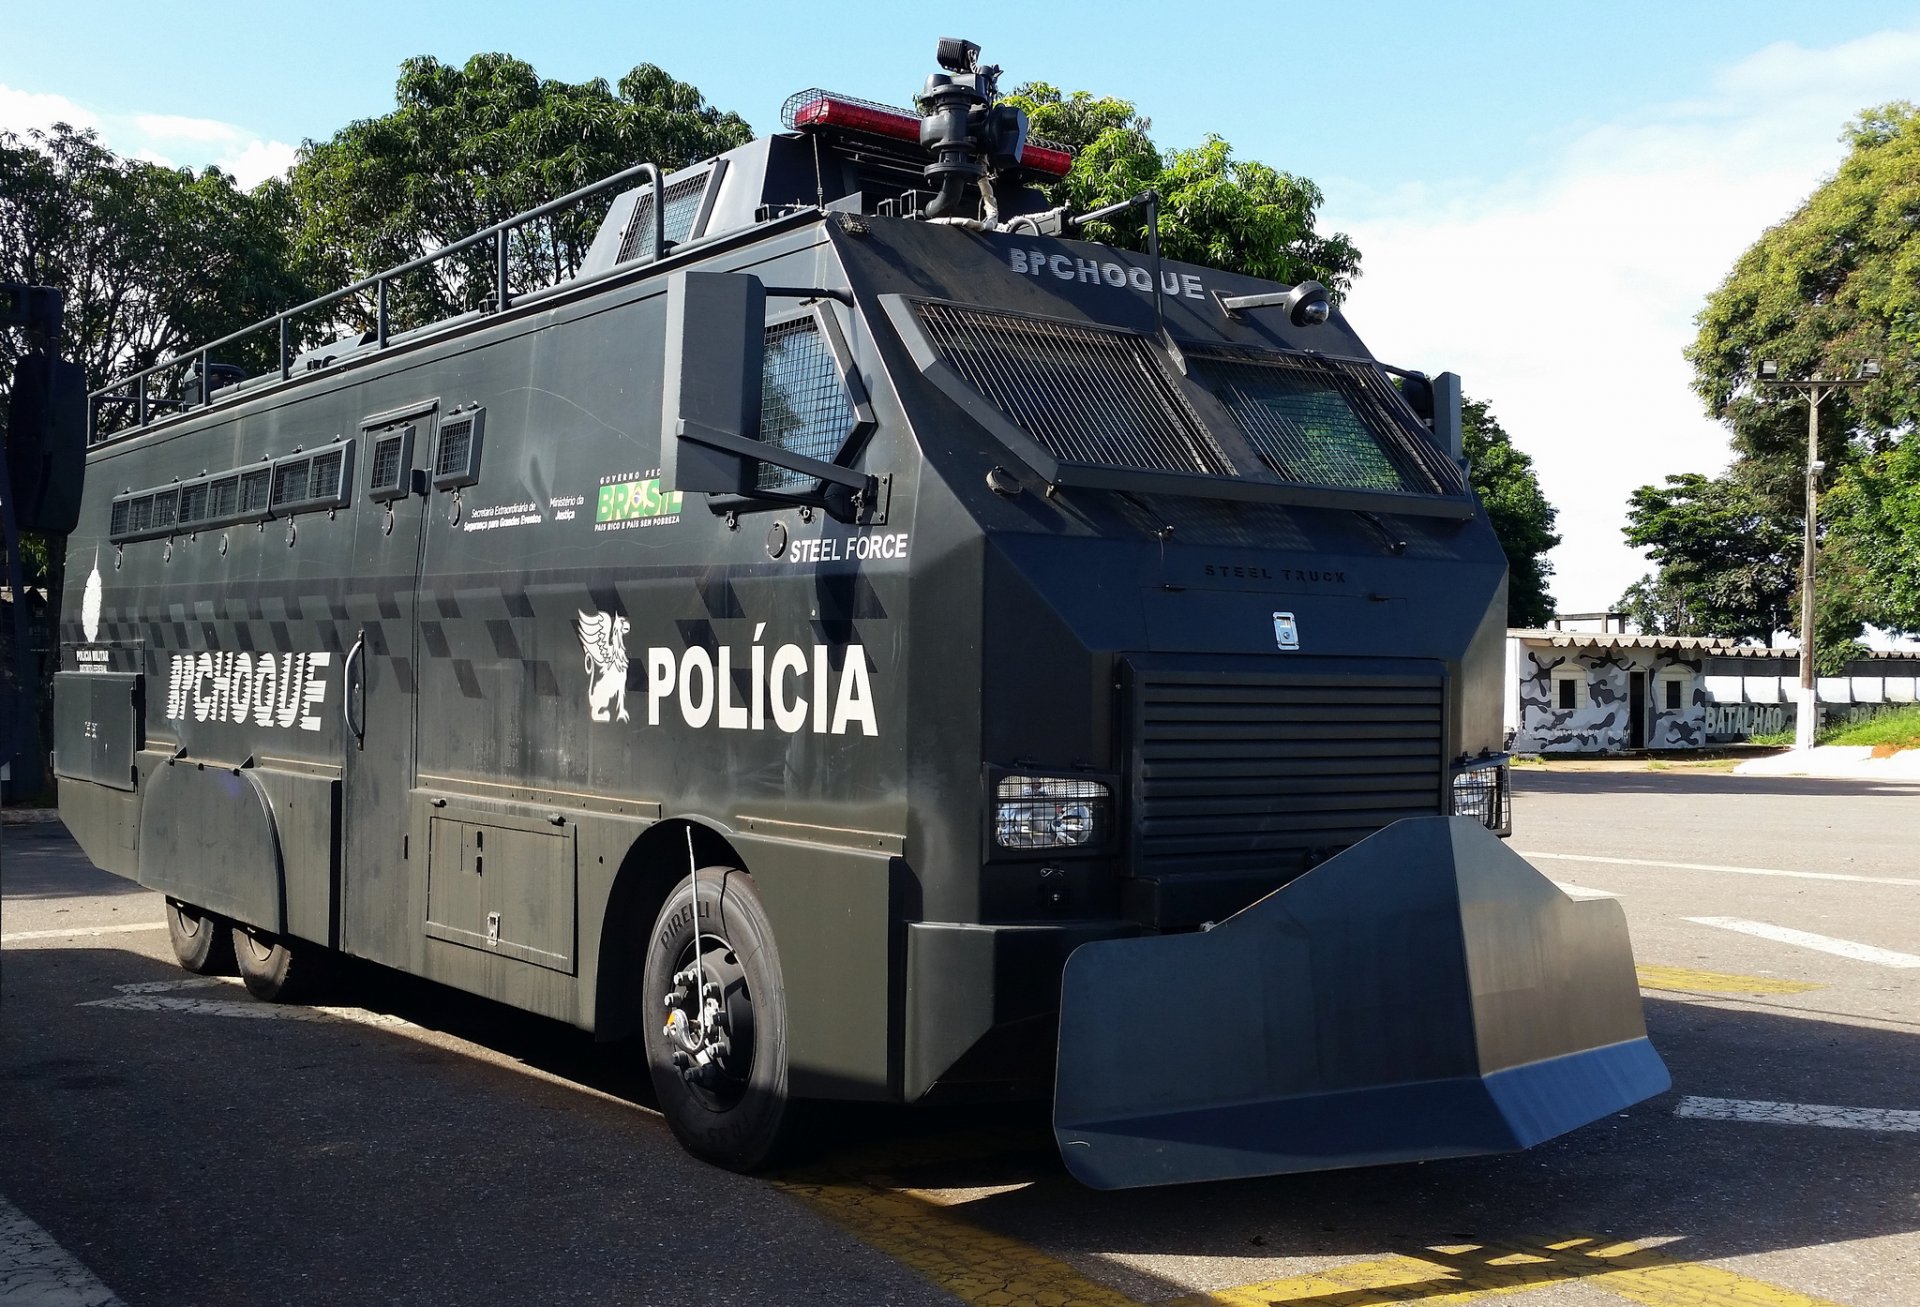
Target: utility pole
[(1816, 388)]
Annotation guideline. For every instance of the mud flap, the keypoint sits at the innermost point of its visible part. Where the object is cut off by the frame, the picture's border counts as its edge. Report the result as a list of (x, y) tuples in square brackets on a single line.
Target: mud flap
[(1424, 994)]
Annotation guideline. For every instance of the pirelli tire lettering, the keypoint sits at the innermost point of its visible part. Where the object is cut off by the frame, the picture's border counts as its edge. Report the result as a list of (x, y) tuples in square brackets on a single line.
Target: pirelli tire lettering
[(279, 690), (792, 688)]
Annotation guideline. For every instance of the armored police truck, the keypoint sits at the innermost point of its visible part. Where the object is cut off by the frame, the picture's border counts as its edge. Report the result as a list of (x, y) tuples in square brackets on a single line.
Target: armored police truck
[(863, 642)]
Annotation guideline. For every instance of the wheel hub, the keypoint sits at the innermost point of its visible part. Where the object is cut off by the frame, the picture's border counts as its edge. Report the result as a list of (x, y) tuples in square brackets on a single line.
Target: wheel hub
[(709, 1022)]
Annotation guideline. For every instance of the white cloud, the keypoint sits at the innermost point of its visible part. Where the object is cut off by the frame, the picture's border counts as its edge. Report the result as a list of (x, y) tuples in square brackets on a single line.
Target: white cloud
[(171, 140), (1565, 295), (258, 160), (21, 111), (174, 127)]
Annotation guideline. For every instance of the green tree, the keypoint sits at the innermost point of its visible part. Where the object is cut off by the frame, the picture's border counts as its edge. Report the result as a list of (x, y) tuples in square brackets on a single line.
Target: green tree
[(1834, 284), (1517, 509), (1729, 562), (1214, 209), (469, 146), (151, 260)]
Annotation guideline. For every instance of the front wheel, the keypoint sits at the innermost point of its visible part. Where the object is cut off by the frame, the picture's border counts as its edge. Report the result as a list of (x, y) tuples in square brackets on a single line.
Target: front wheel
[(715, 1021)]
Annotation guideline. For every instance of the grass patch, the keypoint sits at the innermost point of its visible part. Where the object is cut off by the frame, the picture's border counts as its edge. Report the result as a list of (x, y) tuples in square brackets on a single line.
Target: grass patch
[(1899, 728)]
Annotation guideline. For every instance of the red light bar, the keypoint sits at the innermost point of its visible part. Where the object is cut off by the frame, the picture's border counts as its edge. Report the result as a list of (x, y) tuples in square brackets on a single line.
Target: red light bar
[(1049, 160), (823, 109), (854, 116)]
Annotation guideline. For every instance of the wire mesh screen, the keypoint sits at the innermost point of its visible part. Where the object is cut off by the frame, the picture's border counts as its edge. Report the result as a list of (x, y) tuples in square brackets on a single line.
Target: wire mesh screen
[(456, 448), (386, 462), (803, 404), (683, 202), (223, 497), (254, 486), (1088, 394), (193, 502), (1321, 422), (290, 482)]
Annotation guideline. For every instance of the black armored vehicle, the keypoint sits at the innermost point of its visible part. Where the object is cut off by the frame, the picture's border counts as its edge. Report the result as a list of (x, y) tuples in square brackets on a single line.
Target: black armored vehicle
[(865, 643)]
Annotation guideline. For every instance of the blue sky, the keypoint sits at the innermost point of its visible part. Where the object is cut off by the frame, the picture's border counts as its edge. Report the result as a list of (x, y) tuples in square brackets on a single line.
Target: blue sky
[(1542, 193)]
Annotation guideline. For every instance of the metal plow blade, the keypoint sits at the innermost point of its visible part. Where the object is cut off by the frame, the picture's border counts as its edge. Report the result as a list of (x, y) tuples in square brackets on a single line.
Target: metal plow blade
[(1424, 994)]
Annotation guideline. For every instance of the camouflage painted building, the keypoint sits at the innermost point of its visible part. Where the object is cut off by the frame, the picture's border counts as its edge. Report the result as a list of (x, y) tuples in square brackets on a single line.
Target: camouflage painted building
[(1612, 692)]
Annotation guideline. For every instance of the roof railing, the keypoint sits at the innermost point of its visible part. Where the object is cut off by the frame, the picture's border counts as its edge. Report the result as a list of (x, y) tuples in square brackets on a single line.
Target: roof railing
[(144, 403)]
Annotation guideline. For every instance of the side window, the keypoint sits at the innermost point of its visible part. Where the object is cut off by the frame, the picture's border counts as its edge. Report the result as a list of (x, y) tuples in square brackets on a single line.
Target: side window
[(456, 449), (804, 407)]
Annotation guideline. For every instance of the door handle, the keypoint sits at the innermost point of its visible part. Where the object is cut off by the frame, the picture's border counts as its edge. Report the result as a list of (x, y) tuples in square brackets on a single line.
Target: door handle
[(347, 695)]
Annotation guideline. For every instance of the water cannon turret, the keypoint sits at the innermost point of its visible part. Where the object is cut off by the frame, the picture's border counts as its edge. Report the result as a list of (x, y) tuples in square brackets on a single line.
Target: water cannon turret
[(971, 138)]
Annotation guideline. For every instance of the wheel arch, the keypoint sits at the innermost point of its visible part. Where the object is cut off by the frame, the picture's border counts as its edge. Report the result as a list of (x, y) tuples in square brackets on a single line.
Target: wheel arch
[(654, 863)]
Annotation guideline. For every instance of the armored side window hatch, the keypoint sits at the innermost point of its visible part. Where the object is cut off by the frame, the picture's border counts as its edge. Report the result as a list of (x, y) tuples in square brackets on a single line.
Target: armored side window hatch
[(256, 484), (392, 474), (196, 502), (456, 454), (312, 479)]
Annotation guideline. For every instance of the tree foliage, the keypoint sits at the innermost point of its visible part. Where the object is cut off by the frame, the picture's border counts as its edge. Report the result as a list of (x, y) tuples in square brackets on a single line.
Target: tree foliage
[(1729, 561), (1215, 209), (1519, 512), (1834, 284), (466, 147), (151, 260)]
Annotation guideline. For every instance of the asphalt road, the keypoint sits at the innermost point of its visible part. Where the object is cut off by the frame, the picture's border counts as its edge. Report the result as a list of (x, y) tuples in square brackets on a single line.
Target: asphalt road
[(405, 1144)]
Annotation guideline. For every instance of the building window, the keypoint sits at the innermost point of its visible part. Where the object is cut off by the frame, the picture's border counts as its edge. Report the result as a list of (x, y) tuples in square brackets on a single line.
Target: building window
[(1673, 695), (1569, 687)]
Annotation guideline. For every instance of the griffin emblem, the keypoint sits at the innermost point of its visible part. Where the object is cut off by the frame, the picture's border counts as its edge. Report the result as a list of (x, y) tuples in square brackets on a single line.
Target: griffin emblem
[(604, 637)]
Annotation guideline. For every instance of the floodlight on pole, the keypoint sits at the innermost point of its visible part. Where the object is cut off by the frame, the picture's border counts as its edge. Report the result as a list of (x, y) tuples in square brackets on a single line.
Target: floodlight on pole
[(1816, 388)]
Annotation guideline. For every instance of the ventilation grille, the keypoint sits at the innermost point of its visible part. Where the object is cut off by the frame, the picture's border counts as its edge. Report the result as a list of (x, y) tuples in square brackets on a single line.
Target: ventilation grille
[(1322, 422), (1087, 394), (804, 407), (683, 206), (1237, 772)]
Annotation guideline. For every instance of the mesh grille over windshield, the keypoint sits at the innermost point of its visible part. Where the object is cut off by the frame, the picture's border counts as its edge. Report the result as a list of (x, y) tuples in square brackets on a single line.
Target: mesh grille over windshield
[(1319, 422), (1088, 394)]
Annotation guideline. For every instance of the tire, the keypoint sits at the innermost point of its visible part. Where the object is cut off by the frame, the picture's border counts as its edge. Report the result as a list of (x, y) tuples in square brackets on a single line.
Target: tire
[(276, 970), (735, 1110), (202, 942)]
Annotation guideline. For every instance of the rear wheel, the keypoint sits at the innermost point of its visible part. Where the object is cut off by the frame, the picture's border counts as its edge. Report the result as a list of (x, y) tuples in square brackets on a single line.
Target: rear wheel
[(715, 1021), (275, 970), (202, 942)]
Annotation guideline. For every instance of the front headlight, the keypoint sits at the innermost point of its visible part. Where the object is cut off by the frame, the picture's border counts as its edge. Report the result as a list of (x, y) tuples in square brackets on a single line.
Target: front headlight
[(1480, 792), (1049, 812)]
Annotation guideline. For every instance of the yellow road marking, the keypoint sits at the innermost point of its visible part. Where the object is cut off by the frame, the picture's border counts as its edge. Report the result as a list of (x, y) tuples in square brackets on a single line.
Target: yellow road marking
[(1463, 1273), (1682, 980), (972, 1264), (921, 1229)]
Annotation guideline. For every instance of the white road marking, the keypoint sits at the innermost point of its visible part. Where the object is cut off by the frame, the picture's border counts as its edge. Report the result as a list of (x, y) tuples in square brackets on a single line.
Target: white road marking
[(37, 1272), (1845, 948), (153, 996), (1714, 866), (75, 932), (1844, 1118), (1574, 891)]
